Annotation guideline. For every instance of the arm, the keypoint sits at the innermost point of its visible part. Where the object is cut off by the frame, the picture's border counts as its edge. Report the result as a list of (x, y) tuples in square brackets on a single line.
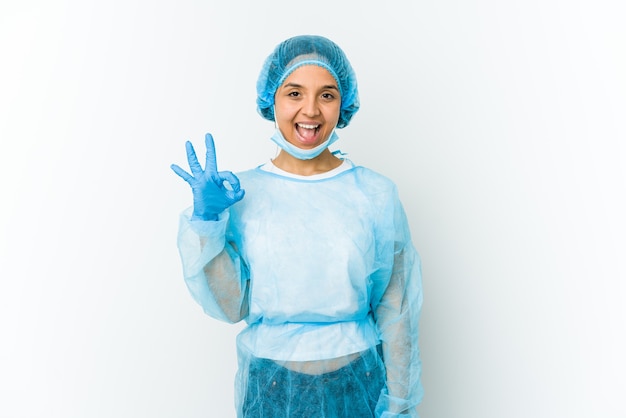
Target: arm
[(224, 278), (397, 318), (214, 272)]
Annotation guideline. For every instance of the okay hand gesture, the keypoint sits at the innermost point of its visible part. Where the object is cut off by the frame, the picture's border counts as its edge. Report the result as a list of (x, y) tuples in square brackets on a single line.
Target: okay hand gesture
[(213, 191)]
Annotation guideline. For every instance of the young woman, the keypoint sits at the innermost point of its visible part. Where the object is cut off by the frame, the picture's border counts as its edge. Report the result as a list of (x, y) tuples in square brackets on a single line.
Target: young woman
[(315, 256)]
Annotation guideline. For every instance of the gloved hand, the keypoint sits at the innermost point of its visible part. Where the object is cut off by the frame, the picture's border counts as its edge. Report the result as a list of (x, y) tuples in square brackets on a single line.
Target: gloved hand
[(210, 193)]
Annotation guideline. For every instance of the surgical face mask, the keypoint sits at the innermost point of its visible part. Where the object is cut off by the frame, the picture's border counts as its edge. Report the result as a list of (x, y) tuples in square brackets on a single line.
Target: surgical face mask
[(299, 153)]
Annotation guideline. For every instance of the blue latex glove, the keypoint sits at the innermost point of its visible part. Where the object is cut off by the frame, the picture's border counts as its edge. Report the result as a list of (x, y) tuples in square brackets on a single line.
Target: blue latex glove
[(211, 195)]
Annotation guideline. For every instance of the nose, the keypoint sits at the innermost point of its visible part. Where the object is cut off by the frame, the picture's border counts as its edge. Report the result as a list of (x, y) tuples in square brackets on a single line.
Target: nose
[(310, 107)]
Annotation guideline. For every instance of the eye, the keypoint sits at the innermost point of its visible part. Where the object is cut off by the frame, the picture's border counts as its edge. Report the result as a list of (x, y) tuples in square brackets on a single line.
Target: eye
[(328, 96), (294, 94)]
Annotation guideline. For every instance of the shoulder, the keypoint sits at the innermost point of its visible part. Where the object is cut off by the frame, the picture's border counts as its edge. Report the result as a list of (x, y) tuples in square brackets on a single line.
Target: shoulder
[(251, 174), (373, 181)]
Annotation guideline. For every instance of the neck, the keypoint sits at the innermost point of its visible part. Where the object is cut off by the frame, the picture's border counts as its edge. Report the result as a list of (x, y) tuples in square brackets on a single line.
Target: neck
[(324, 162)]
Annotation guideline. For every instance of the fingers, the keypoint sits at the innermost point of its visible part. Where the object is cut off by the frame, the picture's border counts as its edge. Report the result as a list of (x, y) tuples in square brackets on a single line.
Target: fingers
[(229, 177), (210, 167), (211, 162), (182, 173), (194, 165), (238, 195)]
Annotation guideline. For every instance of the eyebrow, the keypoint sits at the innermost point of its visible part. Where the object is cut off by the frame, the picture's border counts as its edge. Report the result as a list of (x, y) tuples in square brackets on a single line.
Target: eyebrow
[(296, 85)]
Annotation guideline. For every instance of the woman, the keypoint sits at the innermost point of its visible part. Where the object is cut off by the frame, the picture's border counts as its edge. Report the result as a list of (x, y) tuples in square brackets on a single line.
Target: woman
[(317, 258)]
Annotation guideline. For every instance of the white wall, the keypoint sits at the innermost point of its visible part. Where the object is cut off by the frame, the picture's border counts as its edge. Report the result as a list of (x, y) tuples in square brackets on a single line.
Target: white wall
[(501, 122)]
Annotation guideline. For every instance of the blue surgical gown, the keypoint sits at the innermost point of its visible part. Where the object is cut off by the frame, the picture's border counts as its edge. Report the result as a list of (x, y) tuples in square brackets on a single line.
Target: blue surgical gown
[(321, 270)]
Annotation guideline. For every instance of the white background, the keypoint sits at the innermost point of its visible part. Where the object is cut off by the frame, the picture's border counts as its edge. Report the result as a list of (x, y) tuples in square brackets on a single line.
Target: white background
[(502, 122)]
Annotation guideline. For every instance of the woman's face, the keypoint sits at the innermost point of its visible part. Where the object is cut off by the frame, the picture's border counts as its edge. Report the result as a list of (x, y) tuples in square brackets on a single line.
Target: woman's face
[(307, 106)]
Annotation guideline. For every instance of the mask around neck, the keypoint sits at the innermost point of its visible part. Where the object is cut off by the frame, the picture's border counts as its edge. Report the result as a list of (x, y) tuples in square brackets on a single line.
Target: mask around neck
[(300, 153)]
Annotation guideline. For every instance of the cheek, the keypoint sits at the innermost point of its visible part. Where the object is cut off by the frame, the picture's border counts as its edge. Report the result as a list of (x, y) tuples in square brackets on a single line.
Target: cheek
[(333, 113), (283, 110)]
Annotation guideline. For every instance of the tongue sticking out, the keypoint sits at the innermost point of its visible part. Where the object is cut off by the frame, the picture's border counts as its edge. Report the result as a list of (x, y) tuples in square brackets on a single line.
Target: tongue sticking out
[(307, 135)]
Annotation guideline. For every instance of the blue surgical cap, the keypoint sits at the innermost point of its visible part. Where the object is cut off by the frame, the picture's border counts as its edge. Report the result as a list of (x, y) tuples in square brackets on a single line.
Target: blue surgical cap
[(307, 50)]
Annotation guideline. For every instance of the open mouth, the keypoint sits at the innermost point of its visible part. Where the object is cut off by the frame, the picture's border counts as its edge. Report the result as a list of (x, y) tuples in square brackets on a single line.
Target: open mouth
[(308, 133)]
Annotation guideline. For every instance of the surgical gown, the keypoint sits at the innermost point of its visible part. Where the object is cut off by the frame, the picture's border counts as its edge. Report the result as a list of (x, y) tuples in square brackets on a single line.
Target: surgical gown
[(324, 272)]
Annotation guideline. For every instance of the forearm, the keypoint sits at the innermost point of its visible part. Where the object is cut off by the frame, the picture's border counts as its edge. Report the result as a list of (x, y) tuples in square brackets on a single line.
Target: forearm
[(223, 279), (401, 358), (397, 354), (397, 318), (214, 272)]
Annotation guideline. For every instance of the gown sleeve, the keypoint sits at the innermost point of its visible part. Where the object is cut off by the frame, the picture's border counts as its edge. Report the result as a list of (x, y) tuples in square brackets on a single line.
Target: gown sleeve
[(220, 289), (397, 316)]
